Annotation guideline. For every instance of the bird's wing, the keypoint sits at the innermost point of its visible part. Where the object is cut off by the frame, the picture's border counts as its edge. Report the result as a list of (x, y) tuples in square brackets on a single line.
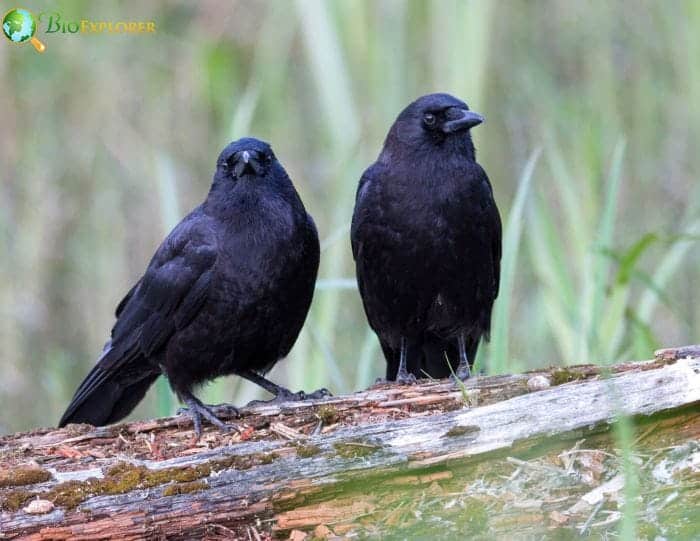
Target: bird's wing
[(494, 226), (496, 249), (167, 298), (172, 290), (360, 200), (125, 300)]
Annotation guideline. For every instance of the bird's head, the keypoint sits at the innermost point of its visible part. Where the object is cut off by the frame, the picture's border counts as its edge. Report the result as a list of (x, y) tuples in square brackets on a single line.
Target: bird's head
[(434, 120), (245, 158)]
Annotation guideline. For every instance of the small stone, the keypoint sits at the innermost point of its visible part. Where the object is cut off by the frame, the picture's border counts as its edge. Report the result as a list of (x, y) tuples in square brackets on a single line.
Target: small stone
[(322, 532), (538, 383), (297, 535), (558, 518), (39, 507)]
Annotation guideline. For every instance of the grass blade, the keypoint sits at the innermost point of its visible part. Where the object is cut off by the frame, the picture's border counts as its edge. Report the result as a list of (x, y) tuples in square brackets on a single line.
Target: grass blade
[(498, 362)]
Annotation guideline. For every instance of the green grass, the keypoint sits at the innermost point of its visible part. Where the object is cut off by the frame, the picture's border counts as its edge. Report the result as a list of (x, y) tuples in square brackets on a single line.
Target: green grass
[(589, 142), (624, 438), (499, 359)]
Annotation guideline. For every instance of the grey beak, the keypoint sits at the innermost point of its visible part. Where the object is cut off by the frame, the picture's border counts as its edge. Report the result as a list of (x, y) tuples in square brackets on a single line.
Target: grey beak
[(247, 162), (461, 119)]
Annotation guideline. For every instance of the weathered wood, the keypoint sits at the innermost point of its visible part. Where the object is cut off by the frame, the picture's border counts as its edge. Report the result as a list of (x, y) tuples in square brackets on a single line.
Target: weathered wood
[(366, 462)]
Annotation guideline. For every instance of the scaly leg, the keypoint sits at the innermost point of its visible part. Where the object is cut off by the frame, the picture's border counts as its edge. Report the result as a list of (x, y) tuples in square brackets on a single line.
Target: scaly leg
[(402, 376), (463, 371)]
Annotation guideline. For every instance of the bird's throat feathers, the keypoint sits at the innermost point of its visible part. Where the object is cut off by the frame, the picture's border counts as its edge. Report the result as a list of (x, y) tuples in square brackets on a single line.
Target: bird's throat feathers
[(262, 206), (229, 198)]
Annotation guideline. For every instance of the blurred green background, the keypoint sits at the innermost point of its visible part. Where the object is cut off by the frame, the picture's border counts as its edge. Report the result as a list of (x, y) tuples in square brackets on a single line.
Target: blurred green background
[(591, 143)]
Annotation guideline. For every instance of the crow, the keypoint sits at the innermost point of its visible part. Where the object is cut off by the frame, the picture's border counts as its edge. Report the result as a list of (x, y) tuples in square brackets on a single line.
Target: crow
[(426, 238), (227, 292)]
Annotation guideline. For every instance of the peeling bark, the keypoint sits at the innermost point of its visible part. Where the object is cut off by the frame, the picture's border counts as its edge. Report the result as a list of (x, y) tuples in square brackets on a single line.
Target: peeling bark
[(430, 459)]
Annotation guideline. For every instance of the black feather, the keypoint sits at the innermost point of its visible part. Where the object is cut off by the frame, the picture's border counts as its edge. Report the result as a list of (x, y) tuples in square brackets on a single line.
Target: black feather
[(227, 291), (426, 238)]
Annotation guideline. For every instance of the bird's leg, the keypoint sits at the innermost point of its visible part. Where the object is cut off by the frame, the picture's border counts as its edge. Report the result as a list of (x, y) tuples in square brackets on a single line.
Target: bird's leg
[(282, 394), (463, 372), (402, 376), (197, 410)]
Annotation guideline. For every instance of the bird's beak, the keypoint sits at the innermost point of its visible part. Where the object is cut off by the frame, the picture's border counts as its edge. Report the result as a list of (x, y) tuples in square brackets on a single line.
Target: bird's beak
[(246, 161), (461, 119)]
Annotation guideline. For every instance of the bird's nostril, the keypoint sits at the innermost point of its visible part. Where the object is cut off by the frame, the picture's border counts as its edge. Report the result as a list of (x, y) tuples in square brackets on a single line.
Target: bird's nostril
[(455, 113)]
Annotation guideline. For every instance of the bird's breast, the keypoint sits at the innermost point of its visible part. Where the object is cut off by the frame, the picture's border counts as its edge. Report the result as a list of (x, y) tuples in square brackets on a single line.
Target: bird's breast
[(421, 209), (262, 246)]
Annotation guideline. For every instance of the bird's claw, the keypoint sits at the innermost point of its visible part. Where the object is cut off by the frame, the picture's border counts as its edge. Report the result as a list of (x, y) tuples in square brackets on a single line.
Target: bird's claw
[(285, 395), (317, 394), (463, 373), (461, 378), (227, 409), (405, 378), (196, 410)]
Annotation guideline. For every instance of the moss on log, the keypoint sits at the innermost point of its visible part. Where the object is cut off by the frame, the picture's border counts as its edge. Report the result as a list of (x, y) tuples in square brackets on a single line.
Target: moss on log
[(526, 455)]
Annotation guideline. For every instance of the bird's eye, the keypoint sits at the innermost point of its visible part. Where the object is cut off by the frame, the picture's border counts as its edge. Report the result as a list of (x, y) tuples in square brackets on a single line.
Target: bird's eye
[(429, 119), (224, 165)]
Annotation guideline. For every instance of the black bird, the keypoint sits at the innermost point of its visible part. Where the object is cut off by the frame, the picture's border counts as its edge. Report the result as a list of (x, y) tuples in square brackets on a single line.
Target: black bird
[(426, 237), (226, 292)]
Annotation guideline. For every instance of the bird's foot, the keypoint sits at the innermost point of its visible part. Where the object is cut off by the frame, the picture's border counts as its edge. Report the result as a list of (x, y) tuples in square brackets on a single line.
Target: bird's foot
[(229, 410), (285, 395), (317, 394), (196, 410), (463, 373), (405, 378), (226, 409)]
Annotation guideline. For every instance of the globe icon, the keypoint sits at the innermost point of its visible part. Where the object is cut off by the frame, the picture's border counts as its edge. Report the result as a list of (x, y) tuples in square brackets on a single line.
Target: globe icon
[(19, 26)]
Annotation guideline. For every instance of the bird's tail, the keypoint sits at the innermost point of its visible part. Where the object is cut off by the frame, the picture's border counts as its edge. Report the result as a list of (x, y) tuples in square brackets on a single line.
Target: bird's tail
[(110, 391)]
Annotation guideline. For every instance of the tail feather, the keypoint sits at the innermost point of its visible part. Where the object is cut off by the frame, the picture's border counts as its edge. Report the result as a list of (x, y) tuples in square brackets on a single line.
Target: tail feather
[(110, 391), (130, 398), (110, 402)]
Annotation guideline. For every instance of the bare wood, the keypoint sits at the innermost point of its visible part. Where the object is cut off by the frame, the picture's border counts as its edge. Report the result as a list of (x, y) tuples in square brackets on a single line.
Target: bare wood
[(671, 354), (150, 479)]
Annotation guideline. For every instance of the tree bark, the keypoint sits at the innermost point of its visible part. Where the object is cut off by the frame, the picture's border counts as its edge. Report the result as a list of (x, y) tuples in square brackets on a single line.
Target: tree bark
[(527, 455)]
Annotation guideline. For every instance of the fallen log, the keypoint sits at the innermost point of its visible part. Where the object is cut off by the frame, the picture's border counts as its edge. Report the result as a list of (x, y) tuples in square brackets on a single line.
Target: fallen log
[(527, 454)]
